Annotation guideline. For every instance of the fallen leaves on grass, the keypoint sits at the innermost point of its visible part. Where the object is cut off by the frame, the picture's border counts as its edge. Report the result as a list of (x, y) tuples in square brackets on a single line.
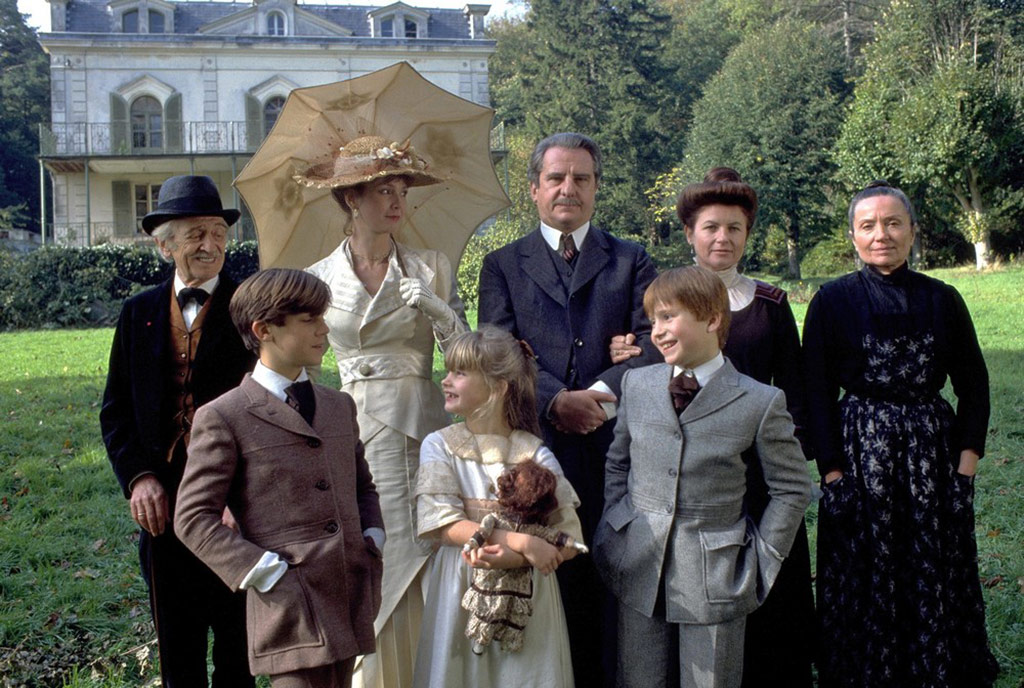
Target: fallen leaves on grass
[(992, 581)]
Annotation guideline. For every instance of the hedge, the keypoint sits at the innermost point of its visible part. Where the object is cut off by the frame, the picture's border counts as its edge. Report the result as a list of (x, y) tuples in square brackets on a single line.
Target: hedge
[(67, 287)]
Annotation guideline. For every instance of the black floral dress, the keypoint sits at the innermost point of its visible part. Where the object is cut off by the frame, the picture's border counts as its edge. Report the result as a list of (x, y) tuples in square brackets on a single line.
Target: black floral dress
[(898, 594)]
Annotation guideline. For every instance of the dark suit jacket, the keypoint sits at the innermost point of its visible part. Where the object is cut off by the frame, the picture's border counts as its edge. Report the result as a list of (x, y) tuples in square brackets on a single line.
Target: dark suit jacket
[(134, 415), (521, 292), (302, 492)]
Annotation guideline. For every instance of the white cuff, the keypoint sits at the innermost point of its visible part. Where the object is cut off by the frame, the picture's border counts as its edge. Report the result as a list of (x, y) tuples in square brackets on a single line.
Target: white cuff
[(377, 535), (265, 574), (608, 406)]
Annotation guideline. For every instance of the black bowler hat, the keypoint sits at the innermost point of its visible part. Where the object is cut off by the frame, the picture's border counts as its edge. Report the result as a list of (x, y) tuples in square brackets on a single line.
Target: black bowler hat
[(188, 196)]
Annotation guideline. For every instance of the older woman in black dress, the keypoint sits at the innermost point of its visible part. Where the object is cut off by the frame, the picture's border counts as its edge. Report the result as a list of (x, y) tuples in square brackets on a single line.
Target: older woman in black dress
[(898, 590), (717, 216)]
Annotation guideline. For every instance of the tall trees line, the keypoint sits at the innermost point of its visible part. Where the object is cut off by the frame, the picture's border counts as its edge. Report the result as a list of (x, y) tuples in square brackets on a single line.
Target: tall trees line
[(808, 99)]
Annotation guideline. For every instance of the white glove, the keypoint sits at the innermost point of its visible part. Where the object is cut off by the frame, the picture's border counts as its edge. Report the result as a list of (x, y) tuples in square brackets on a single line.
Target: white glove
[(418, 295)]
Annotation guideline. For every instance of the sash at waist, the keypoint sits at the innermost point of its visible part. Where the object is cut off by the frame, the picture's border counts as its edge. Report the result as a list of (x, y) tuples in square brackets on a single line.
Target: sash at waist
[(384, 367), (476, 509)]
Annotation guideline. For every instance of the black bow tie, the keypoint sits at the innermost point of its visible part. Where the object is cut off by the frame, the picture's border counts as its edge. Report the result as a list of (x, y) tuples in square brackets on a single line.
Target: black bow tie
[(192, 294), (301, 398)]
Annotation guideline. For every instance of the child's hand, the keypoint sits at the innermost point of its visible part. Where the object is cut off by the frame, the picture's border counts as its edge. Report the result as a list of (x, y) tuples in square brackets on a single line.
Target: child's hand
[(494, 557), (542, 555)]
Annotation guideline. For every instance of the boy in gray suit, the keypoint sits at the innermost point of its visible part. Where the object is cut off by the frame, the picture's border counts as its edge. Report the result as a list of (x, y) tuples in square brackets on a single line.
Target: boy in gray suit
[(675, 543)]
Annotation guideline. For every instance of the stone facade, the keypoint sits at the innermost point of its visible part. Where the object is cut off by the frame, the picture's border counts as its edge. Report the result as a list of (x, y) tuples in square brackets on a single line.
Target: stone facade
[(145, 89)]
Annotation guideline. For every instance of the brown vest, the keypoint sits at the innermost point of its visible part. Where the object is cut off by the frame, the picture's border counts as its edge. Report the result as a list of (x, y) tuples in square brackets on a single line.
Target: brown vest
[(182, 352)]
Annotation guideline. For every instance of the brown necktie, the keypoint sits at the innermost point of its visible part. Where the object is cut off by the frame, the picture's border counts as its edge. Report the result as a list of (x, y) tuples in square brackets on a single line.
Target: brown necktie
[(683, 388), (567, 246)]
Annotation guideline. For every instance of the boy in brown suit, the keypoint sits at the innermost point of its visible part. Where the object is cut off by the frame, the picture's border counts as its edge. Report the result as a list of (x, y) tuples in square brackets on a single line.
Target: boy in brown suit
[(285, 456)]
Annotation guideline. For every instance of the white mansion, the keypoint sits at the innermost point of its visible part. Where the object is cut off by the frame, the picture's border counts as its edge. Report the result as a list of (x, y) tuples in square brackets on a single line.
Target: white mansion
[(145, 89)]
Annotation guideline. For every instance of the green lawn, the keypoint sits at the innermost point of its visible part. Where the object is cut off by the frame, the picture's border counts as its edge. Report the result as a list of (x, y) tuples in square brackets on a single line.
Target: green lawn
[(73, 608)]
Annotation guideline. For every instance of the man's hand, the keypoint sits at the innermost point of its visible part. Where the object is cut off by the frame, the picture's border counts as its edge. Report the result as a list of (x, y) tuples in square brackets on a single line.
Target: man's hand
[(227, 518), (579, 411), (623, 348), (149, 504)]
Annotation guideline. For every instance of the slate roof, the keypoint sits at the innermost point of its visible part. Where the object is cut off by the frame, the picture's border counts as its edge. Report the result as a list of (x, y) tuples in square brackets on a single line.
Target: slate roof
[(91, 16)]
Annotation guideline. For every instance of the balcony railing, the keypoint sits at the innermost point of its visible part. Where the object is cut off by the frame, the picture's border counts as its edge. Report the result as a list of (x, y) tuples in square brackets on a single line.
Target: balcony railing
[(117, 138), (82, 234)]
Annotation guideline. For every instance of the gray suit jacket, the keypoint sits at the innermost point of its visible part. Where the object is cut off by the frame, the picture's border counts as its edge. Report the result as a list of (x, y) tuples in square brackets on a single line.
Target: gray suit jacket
[(674, 489)]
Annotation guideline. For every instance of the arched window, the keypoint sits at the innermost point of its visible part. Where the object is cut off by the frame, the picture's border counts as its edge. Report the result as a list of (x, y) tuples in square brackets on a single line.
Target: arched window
[(270, 113), (130, 21), (275, 24), (147, 116), (411, 30), (156, 21)]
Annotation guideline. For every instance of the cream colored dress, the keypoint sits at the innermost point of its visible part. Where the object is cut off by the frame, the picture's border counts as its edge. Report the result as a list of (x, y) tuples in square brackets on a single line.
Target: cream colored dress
[(457, 479), (384, 351)]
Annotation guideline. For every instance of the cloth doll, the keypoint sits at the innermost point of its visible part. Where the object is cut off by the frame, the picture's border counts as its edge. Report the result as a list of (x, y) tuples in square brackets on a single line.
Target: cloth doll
[(500, 601)]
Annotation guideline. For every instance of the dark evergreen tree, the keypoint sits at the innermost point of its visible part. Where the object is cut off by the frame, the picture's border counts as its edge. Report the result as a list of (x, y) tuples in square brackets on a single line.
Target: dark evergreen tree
[(773, 113), (24, 104)]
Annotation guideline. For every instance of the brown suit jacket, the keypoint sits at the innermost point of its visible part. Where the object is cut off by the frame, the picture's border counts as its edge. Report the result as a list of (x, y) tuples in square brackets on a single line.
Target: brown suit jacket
[(302, 492)]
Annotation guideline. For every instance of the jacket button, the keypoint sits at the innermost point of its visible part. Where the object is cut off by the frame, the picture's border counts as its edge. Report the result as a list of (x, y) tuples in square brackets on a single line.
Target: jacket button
[(365, 369), (672, 472), (578, 341), (331, 527), (313, 442), (668, 509), (322, 485)]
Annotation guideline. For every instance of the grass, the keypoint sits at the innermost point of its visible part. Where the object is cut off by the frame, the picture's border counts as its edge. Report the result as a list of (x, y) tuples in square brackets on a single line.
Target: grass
[(73, 608)]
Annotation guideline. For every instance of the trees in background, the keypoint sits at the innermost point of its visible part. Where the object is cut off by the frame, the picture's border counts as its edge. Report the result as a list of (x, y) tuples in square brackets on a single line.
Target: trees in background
[(940, 105), (24, 102), (772, 112), (670, 88)]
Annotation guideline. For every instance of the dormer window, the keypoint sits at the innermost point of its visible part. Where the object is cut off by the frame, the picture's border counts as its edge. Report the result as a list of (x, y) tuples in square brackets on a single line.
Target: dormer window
[(130, 21), (398, 20), (275, 24), (156, 22)]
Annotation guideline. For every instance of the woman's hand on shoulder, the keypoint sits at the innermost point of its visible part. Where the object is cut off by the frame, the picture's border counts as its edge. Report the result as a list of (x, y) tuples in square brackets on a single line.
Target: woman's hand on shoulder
[(833, 476), (623, 347)]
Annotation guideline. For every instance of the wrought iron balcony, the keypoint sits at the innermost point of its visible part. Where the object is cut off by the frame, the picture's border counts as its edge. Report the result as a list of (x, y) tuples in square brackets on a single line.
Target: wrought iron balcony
[(118, 138)]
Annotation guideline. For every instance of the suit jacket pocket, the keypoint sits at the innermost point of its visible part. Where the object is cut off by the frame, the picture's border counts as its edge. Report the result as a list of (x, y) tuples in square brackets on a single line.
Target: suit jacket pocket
[(730, 563), (282, 618), (609, 544)]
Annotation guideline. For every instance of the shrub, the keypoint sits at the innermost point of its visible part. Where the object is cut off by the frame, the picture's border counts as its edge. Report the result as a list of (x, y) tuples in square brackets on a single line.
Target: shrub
[(65, 287), (494, 237), (831, 256)]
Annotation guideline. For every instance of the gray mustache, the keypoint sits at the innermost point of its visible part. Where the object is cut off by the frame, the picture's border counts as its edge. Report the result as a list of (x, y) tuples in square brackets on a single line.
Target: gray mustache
[(568, 201)]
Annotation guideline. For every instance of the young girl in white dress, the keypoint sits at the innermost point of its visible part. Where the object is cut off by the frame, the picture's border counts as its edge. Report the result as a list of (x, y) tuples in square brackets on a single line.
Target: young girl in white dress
[(491, 382)]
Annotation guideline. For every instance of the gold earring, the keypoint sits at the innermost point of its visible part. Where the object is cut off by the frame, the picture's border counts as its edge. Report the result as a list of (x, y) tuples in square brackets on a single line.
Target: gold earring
[(355, 212)]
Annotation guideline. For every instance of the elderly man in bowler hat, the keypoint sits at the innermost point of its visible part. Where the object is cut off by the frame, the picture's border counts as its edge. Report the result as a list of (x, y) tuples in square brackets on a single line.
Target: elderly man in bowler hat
[(175, 348)]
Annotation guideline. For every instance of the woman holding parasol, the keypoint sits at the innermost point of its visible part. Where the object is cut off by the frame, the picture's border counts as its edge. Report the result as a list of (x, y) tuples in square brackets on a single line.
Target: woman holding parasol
[(389, 304)]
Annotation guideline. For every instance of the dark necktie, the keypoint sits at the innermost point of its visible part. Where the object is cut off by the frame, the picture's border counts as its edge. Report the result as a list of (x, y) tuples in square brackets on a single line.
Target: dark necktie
[(567, 247), (192, 294), (683, 388), (301, 398)]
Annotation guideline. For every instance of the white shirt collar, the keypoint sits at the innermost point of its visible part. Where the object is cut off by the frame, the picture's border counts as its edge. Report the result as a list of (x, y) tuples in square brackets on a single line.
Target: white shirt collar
[(208, 286), (273, 381), (706, 370), (741, 289), (552, 236)]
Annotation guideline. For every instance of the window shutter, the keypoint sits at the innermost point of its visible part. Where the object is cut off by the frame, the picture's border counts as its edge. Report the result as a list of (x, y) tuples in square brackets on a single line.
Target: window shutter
[(173, 123), (121, 193), (119, 125), (253, 122)]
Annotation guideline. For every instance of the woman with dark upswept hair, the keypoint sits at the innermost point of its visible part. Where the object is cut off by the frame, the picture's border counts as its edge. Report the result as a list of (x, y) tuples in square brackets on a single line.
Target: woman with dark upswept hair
[(898, 592)]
